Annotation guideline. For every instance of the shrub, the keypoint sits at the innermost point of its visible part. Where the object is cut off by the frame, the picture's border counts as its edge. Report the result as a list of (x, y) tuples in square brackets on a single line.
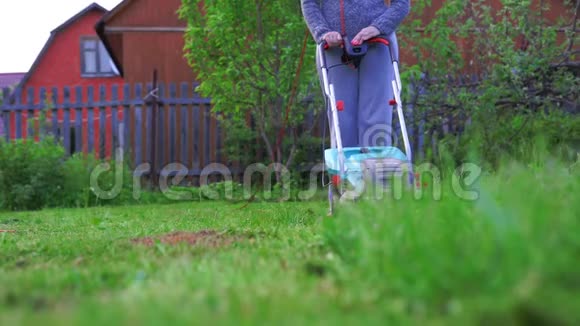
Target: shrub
[(36, 175), (31, 173), (90, 182)]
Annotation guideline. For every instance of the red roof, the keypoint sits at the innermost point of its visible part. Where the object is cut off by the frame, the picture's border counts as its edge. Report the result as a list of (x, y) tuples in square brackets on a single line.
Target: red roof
[(10, 79)]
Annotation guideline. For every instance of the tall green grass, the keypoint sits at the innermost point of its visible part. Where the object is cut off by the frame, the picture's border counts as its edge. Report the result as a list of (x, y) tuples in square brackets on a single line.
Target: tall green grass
[(512, 255)]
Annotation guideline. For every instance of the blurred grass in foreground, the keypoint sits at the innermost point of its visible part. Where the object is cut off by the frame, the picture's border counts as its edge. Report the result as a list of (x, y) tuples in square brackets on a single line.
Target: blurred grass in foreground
[(510, 256)]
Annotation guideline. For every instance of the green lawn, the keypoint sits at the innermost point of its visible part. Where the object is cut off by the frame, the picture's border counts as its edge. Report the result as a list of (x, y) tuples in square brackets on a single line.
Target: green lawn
[(510, 257)]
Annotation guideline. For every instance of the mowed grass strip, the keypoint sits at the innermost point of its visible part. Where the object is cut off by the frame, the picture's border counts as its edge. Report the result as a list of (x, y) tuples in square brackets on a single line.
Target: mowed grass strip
[(57, 257)]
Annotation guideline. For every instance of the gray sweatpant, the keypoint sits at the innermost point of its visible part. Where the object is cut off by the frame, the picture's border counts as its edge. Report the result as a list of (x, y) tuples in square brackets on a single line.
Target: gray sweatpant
[(367, 116)]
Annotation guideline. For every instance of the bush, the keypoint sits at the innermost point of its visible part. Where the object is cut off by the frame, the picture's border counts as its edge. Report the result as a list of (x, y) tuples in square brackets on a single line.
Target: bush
[(31, 173), (91, 182), (81, 191), (36, 175)]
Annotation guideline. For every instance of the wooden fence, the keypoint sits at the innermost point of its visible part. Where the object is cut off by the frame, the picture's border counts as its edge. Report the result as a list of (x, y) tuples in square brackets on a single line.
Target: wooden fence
[(158, 125)]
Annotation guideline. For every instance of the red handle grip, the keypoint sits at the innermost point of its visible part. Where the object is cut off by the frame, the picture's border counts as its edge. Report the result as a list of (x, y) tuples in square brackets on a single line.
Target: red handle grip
[(372, 40), (378, 40)]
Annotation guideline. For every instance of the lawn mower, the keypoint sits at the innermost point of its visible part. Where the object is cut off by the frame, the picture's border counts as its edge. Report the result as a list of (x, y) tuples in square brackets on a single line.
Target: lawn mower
[(353, 169)]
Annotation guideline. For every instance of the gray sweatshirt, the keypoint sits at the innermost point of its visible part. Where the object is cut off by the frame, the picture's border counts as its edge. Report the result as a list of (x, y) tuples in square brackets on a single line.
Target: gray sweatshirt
[(323, 16)]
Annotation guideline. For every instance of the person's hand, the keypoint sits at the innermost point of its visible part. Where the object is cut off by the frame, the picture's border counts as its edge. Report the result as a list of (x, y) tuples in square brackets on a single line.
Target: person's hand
[(365, 34), (332, 39)]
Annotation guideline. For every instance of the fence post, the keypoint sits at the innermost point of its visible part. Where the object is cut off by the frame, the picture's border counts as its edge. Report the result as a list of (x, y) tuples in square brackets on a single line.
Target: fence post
[(153, 97), (90, 119), (196, 145), (178, 158), (147, 120), (171, 158), (17, 114), (29, 120), (127, 122), (115, 119), (186, 125), (66, 132), (163, 130), (41, 123), (102, 135), (53, 112), (175, 129), (137, 131), (5, 114), (80, 117)]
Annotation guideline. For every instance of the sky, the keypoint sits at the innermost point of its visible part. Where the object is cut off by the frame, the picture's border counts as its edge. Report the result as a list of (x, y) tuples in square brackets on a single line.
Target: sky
[(25, 26)]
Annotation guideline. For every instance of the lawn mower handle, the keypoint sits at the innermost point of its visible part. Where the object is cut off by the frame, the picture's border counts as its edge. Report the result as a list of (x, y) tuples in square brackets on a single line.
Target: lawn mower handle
[(384, 41)]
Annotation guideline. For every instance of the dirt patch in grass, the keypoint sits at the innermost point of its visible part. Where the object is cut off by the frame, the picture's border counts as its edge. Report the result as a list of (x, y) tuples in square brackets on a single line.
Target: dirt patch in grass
[(206, 238)]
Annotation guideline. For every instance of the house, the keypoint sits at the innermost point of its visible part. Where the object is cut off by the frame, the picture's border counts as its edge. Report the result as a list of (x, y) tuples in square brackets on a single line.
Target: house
[(143, 36), (72, 56)]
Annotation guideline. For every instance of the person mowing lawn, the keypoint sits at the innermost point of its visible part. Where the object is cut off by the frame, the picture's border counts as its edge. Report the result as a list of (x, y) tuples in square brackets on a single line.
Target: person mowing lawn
[(364, 87)]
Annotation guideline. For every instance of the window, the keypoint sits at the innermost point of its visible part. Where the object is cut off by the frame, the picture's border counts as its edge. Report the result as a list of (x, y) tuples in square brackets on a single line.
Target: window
[(95, 60)]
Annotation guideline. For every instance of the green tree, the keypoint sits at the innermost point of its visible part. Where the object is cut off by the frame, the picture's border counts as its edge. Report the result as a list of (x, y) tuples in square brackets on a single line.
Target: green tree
[(246, 55)]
